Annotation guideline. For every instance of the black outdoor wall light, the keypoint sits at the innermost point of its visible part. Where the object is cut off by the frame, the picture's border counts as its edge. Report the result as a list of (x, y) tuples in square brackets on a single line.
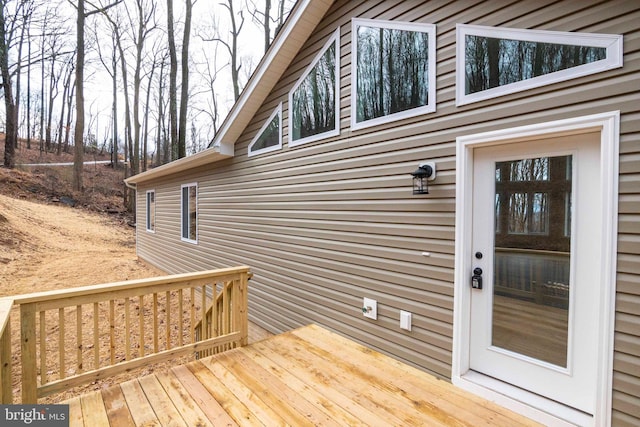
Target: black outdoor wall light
[(425, 172)]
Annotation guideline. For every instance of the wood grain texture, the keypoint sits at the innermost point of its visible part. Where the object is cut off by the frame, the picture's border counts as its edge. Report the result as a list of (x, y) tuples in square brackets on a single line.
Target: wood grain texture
[(309, 376)]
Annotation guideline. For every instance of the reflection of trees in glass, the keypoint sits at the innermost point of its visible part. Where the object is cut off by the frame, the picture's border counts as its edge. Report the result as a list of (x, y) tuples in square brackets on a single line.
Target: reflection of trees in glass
[(391, 71), (313, 109), (528, 213), (270, 136), (189, 212), (529, 170), (518, 210), (192, 213), (527, 210), (532, 204), (151, 210), (492, 62)]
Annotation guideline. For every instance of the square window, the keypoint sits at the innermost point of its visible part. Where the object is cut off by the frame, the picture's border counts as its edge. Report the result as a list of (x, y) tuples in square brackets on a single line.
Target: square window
[(395, 71)]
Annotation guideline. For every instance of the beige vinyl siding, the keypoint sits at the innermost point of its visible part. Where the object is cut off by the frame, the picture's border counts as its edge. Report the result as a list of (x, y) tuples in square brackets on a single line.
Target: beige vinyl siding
[(324, 224)]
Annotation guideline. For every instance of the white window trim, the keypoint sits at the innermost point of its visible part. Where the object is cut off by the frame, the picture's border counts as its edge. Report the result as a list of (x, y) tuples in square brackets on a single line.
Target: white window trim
[(430, 29), (277, 111), (182, 212), (334, 38), (609, 126), (148, 213), (612, 43)]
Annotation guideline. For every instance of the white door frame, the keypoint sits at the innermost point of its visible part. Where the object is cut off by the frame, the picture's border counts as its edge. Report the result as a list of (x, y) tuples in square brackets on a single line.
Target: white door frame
[(533, 406)]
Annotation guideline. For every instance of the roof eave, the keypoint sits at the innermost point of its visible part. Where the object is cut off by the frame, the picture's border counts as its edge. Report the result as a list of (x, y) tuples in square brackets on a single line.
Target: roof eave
[(205, 157)]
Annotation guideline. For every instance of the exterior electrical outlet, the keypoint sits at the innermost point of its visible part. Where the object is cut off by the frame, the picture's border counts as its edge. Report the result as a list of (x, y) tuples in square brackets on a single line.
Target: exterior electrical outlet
[(370, 308)]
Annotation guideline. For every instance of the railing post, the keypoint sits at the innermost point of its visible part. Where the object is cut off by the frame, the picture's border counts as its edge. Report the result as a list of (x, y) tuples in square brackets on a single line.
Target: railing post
[(244, 309), (28, 353), (6, 382)]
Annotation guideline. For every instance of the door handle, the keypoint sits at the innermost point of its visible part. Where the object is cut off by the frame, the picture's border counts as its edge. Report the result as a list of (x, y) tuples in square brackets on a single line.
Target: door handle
[(476, 279)]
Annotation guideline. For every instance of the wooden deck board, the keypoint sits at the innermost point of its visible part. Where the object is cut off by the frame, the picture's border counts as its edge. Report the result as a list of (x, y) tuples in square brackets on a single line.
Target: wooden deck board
[(182, 399), (308, 376), (75, 412), (93, 410), (207, 403), (239, 402), (142, 413), (117, 410)]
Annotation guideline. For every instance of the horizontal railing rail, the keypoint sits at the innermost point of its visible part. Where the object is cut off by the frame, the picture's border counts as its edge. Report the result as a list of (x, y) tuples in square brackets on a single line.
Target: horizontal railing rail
[(94, 332)]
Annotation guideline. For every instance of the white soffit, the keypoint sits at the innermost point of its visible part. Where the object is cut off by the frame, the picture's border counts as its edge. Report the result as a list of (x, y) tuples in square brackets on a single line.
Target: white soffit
[(207, 156)]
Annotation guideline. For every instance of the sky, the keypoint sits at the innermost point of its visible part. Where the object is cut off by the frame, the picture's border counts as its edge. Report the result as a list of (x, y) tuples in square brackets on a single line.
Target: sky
[(205, 13)]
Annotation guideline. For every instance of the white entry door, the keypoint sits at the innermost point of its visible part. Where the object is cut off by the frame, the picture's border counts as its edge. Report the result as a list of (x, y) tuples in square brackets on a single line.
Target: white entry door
[(536, 252)]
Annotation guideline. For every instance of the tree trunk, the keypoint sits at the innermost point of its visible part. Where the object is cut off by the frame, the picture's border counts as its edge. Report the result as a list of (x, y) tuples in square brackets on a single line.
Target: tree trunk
[(18, 73), (29, 90), (235, 70), (67, 128), (114, 104), (173, 76), (53, 84), (42, 96), (65, 93), (267, 25), (78, 153), (184, 95), (10, 131), (160, 159), (146, 118)]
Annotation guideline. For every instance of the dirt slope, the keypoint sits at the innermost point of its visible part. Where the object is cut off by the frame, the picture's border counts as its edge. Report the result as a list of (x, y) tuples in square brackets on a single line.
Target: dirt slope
[(45, 246)]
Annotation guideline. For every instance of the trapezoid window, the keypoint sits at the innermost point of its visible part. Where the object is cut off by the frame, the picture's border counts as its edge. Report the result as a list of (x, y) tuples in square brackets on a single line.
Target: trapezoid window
[(395, 71), (269, 137), (497, 61), (189, 212), (313, 102)]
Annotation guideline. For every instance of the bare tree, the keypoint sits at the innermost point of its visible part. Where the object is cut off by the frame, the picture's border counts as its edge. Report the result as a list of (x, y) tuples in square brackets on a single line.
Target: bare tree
[(162, 146), (232, 47), (69, 69), (78, 155), (209, 76), (263, 19), (157, 60), (184, 93), (173, 77), (54, 78), (11, 21), (116, 26), (145, 24), (111, 67)]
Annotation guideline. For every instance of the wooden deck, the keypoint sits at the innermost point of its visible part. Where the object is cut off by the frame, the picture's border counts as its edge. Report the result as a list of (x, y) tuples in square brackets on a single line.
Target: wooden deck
[(308, 376)]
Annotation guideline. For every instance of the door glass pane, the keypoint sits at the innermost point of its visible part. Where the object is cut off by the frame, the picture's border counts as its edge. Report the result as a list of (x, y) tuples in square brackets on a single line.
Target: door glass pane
[(532, 257)]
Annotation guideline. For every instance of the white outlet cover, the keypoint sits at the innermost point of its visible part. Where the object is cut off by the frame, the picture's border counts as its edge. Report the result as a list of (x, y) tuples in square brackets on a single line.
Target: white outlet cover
[(371, 307), (405, 320)]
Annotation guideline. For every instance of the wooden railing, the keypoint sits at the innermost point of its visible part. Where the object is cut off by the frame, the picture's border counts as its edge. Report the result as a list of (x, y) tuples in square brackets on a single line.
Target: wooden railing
[(538, 276), (218, 319), (121, 326), (6, 387)]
